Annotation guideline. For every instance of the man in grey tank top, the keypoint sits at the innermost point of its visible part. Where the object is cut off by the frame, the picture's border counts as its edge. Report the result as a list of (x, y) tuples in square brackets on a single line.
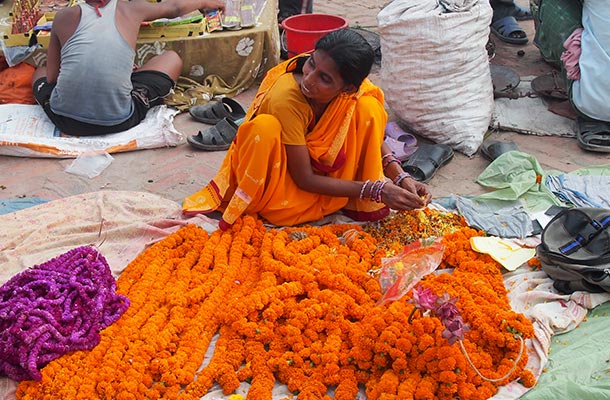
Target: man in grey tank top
[(88, 86)]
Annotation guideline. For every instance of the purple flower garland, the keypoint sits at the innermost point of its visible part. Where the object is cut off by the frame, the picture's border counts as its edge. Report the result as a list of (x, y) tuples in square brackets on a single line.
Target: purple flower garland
[(54, 308)]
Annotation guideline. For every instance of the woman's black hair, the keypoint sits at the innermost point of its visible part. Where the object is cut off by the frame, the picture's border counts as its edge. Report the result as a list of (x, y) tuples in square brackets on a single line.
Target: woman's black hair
[(351, 52)]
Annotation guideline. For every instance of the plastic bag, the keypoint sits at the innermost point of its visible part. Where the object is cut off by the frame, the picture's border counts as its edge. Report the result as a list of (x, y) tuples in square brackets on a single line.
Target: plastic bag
[(90, 164), (401, 273)]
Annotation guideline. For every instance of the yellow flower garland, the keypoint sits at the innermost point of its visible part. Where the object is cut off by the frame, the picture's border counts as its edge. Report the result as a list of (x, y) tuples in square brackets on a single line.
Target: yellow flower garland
[(296, 306)]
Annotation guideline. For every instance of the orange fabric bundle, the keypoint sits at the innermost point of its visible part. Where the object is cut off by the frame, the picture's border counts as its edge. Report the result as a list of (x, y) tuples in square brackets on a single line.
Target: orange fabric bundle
[(16, 84)]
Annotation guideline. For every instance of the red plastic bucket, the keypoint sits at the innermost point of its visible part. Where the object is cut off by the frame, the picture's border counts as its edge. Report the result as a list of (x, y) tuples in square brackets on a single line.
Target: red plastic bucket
[(303, 30)]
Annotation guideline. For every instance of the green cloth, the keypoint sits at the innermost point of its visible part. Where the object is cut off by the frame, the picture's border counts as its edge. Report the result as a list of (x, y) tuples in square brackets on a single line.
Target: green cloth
[(579, 362), (517, 175)]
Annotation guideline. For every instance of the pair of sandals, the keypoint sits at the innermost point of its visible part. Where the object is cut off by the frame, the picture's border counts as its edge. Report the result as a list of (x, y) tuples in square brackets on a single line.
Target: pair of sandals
[(226, 115), (421, 161), (505, 24)]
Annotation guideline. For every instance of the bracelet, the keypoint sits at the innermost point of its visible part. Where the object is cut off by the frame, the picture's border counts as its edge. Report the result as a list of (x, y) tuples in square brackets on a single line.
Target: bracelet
[(387, 159), (400, 177), (373, 191), (378, 194), (386, 156), (363, 188), (394, 160)]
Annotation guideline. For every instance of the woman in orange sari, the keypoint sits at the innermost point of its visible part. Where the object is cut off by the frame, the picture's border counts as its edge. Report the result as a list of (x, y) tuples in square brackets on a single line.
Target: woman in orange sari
[(312, 144)]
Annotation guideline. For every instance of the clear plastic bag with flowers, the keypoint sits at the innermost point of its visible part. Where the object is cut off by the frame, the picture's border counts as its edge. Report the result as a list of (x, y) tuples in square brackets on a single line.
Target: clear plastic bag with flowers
[(401, 273)]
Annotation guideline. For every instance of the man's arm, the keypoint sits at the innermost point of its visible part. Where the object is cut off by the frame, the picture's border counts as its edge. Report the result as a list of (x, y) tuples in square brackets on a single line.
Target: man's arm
[(130, 14), (148, 11), (53, 58)]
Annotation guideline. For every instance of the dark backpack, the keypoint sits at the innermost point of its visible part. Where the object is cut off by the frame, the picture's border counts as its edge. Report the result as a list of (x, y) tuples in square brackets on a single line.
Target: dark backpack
[(575, 250)]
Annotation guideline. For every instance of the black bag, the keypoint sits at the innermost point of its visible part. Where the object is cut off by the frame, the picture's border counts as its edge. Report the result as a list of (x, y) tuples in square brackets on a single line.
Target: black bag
[(575, 250)]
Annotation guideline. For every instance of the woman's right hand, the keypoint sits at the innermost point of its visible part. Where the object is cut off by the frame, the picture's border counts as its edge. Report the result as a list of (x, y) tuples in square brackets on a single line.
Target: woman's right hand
[(409, 196), (413, 186)]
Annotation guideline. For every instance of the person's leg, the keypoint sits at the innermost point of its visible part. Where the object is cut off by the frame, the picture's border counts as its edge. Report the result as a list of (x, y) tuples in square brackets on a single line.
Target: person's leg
[(169, 62), (149, 89), (40, 72), (504, 22), (41, 90), (153, 81)]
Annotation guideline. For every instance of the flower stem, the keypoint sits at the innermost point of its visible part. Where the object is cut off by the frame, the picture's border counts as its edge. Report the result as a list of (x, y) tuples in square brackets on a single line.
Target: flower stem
[(509, 373), (412, 314)]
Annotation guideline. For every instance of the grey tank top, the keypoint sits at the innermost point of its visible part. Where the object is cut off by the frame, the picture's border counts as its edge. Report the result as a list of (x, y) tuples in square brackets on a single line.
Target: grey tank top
[(94, 83)]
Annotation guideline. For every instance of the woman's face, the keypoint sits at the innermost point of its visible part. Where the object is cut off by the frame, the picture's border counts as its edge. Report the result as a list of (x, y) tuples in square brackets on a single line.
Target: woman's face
[(322, 81)]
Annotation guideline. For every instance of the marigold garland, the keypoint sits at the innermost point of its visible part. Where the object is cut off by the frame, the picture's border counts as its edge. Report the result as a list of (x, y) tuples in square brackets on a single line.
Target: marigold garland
[(297, 306)]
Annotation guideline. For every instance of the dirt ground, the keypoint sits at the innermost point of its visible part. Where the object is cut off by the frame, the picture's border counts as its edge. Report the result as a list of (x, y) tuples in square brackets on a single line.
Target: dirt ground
[(177, 172)]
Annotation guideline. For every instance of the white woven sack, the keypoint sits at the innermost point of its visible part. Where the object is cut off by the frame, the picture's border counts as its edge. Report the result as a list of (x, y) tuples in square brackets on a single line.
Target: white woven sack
[(435, 69)]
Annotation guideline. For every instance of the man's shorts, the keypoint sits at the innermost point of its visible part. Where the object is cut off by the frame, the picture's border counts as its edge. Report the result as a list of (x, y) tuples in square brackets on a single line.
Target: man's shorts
[(149, 89)]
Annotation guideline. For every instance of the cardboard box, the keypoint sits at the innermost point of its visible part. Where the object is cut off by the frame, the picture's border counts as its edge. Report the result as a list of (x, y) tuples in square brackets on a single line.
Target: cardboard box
[(172, 31), (30, 38)]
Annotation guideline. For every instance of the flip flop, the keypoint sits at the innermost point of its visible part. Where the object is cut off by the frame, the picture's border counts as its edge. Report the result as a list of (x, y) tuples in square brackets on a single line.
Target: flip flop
[(216, 138), (504, 28), (402, 144), (212, 112), (492, 149), (394, 131), (593, 135), (428, 158), (401, 150)]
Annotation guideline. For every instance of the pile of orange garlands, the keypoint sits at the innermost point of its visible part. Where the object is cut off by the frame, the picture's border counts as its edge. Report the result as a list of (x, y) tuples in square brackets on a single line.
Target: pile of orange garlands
[(296, 306)]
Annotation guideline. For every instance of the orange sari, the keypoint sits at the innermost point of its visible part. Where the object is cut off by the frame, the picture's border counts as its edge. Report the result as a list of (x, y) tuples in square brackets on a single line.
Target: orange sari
[(254, 179)]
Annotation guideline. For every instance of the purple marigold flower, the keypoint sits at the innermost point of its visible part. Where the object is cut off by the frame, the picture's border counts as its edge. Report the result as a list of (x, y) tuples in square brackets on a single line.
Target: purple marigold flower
[(445, 308)]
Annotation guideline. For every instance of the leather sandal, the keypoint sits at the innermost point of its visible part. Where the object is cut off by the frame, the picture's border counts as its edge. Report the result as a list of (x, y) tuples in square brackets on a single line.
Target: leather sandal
[(508, 30), (428, 158), (217, 138), (492, 149), (212, 112)]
